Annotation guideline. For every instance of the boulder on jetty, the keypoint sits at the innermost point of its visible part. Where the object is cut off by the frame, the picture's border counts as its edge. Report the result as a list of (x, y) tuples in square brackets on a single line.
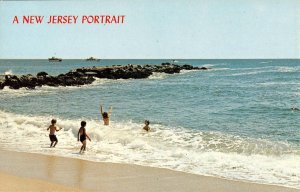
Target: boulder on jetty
[(12, 81), (42, 74), (82, 76), (2, 81), (28, 81)]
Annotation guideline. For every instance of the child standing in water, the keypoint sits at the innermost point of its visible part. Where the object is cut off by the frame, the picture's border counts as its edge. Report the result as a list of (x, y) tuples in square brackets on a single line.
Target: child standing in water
[(52, 135), (105, 115), (146, 127), (82, 135)]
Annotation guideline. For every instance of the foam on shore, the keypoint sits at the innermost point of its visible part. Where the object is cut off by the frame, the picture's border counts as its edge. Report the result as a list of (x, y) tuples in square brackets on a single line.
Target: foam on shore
[(203, 153)]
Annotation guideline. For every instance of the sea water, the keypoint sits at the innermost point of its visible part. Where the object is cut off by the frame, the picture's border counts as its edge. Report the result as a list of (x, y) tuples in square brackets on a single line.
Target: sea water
[(233, 121)]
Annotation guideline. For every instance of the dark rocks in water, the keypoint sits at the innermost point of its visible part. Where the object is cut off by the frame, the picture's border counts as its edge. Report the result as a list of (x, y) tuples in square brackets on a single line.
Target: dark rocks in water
[(2, 82), (42, 74), (294, 109), (117, 72), (204, 68), (187, 67), (49, 80), (12, 81), (135, 71), (69, 80), (84, 76), (75, 74), (28, 81), (170, 69)]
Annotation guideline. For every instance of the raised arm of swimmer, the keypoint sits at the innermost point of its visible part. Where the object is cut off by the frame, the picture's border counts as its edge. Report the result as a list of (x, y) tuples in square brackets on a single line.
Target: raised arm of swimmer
[(110, 111), (101, 109)]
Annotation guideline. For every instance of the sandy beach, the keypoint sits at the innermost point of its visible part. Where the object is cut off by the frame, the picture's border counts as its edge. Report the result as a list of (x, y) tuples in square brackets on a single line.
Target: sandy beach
[(15, 183), (35, 172)]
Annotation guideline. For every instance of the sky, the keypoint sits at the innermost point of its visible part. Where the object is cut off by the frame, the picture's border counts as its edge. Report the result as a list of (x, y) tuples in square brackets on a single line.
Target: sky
[(154, 29)]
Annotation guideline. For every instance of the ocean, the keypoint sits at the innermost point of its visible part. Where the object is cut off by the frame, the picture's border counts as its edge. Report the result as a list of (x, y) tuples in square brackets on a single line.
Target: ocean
[(233, 121)]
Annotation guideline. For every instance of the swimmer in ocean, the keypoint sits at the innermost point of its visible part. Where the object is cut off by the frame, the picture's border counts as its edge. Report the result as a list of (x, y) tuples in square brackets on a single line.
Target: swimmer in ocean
[(105, 115), (146, 127)]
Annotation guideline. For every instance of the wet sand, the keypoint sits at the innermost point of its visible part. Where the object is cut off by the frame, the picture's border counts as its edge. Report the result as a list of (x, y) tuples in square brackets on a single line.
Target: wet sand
[(15, 183), (41, 172)]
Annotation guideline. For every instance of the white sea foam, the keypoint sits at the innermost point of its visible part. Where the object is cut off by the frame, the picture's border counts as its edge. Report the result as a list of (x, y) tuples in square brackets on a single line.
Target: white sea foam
[(248, 73), (8, 72), (285, 69), (184, 71), (220, 69), (266, 62), (45, 89), (208, 65), (156, 76), (268, 69), (97, 82), (254, 68), (212, 65), (6, 91), (273, 83), (206, 153)]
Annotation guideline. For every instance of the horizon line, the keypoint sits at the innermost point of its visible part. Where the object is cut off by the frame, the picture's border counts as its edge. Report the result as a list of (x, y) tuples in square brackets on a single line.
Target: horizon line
[(148, 58)]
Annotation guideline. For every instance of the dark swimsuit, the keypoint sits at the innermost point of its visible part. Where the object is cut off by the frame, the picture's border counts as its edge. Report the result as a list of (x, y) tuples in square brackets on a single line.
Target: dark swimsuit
[(82, 137), (53, 138)]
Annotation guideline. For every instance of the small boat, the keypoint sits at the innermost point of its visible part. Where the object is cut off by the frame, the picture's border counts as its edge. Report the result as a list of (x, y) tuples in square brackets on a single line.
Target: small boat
[(92, 59), (54, 59)]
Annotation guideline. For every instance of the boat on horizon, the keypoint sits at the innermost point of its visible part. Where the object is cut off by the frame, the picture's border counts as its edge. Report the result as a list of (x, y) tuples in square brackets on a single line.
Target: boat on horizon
[(92, 59), (54, 59)]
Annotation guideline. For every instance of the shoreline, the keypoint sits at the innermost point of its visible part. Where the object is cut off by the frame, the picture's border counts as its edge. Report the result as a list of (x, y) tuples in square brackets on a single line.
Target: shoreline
[(82, 175)]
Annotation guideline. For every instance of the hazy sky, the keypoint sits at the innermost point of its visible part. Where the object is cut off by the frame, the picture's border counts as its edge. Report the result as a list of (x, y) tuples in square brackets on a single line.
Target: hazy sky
[(190, 29)]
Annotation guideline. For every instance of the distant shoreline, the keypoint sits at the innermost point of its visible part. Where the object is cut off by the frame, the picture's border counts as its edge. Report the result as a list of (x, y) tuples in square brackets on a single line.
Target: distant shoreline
[(167, 59)]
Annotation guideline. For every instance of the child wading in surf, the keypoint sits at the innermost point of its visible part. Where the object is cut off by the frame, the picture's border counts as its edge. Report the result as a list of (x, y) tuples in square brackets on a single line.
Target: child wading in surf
[(52, 135), (82, 135)]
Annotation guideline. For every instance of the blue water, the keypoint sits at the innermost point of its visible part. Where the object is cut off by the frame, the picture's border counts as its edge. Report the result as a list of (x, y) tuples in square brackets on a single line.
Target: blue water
[(238, 112), (249, 98)]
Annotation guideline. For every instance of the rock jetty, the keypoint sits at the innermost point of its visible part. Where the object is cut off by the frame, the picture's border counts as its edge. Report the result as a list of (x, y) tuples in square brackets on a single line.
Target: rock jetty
[(82, 76)]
